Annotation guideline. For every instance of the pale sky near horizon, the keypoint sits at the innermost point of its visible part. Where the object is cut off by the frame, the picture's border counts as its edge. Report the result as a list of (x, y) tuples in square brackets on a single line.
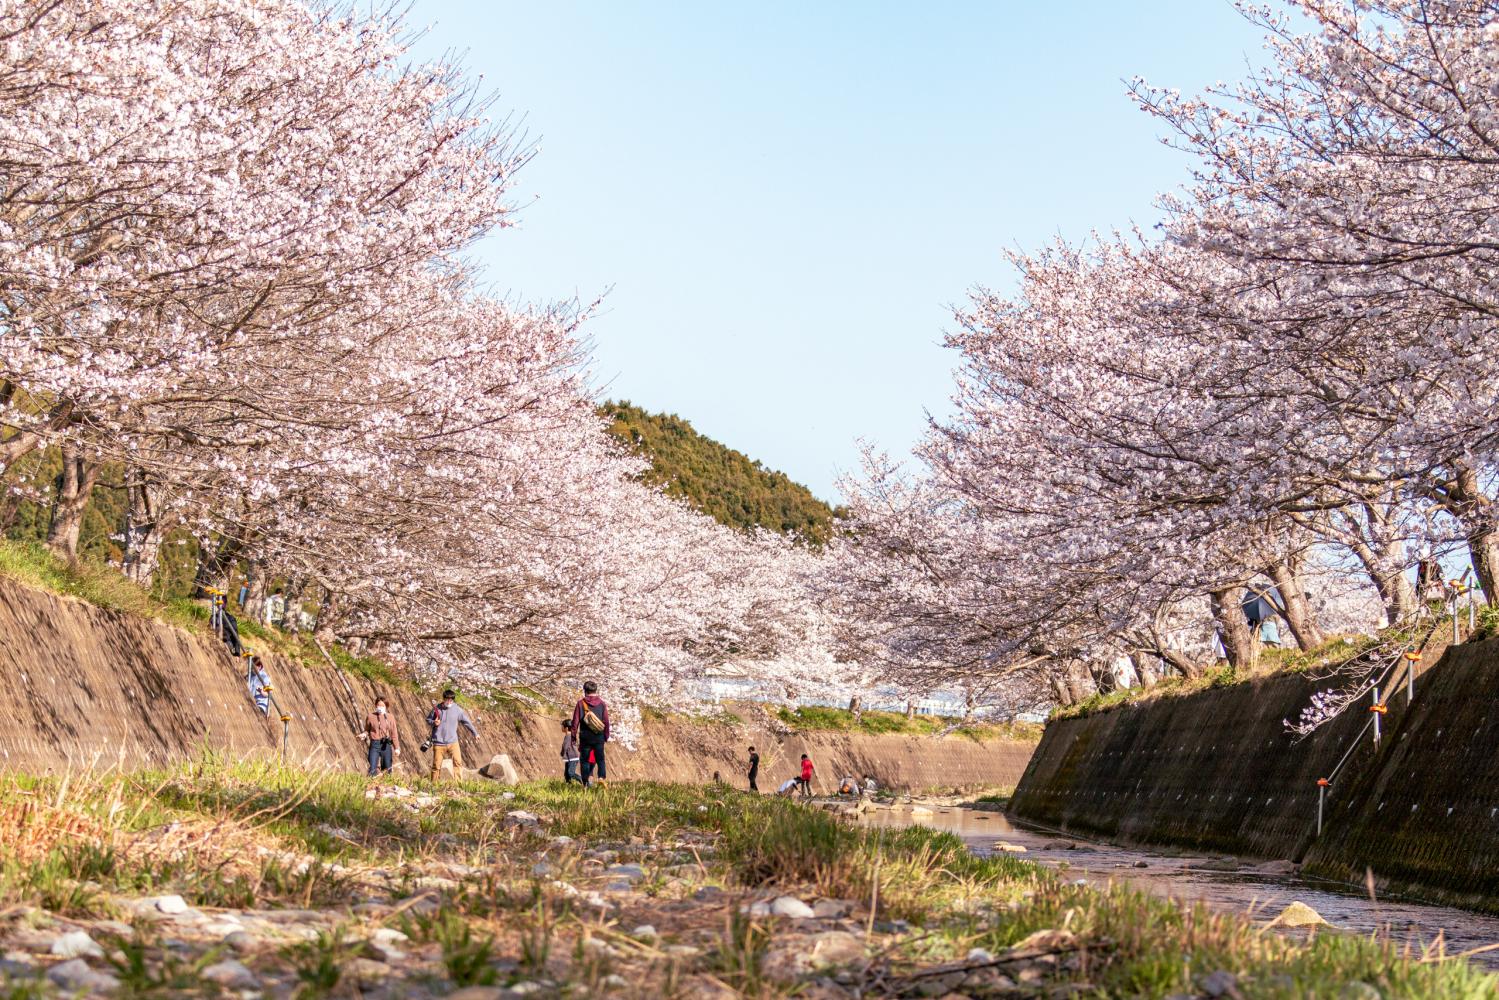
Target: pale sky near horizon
[(783, 201)]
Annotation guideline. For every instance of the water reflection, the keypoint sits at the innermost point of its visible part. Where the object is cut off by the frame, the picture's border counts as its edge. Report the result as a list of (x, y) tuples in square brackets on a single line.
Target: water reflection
[(1256, 891)]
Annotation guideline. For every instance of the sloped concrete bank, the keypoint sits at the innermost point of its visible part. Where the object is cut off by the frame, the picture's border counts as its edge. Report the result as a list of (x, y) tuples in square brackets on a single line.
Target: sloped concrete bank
[(84, 686), (1214, 771), (1426, 822)]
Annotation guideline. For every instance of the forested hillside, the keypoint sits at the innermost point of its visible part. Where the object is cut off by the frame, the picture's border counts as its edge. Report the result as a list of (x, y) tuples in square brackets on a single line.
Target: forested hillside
[(728, 485)]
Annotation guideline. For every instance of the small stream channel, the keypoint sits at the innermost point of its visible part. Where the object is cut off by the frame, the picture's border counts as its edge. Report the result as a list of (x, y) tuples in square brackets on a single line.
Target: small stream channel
[(1254, 891)]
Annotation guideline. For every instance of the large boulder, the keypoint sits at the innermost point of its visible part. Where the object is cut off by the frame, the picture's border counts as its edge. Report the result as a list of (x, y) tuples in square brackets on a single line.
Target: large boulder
[(501, 769)]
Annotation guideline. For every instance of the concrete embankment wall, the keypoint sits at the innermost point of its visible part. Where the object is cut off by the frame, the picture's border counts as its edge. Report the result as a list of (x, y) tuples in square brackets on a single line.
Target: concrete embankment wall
[(1426, 821), (81, 685), (1211, 771)]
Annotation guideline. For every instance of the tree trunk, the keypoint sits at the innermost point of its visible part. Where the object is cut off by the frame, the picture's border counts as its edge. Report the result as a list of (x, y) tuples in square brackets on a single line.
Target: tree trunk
[(910, 710), (1299, 614), (74, 489), (255, 603), (213, 568), (322, 631), (142, 532), (1238, 640), (856, 708), (1475, 511)]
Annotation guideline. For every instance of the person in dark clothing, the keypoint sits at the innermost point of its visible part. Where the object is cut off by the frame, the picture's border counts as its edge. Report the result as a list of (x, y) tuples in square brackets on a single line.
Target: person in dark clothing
[(754, 770), (591, 723), (570, 754)]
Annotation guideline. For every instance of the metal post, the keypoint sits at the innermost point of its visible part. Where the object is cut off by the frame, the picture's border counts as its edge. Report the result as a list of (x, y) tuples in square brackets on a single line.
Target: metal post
[(1410, 682), (1321, 798), (1376, 715), (285, 737), (1470, 612)]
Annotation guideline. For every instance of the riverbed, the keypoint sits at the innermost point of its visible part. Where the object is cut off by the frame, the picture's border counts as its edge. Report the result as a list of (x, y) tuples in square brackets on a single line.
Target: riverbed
[(1257, 891)]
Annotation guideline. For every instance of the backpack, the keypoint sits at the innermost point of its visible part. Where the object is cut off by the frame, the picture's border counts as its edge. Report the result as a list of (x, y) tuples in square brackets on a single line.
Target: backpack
[(591, 720)]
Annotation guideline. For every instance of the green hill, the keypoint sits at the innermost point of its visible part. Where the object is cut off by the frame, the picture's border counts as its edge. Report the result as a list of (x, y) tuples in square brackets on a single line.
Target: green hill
[(723, 483)]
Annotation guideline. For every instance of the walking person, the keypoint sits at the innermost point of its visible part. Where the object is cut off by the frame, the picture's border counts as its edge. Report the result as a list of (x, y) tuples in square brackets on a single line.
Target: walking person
[(380, 734), (444, 720), (570, 754), (806, 779), (591, 723), (754, 770)]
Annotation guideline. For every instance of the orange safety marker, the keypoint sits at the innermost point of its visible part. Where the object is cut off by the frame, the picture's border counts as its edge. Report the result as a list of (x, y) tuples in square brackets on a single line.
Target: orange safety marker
[(1323, 782), (1381, 708), (1413, 656)]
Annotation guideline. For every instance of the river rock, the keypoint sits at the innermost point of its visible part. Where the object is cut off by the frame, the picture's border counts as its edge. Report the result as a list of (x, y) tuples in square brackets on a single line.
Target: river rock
[(797, 957), (75, 943), (500, 768), (1220, 984), (75, 976), (1298, 914), (1008, 848), (790, 906), (231, 975)]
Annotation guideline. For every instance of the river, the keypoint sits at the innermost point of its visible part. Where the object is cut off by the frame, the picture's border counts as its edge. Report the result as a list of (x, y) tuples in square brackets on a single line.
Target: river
[(1258, 892)]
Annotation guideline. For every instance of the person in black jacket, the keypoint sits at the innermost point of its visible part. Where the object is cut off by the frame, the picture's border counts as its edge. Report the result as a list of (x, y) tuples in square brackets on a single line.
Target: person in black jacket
[(591, 723), (754, 770)]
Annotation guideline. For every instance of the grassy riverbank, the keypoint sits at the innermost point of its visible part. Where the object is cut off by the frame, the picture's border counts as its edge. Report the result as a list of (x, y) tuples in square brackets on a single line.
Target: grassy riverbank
[(300, 882)]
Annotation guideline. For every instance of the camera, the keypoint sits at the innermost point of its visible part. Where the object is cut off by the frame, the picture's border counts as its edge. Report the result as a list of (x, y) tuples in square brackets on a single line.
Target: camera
[(426, 745)]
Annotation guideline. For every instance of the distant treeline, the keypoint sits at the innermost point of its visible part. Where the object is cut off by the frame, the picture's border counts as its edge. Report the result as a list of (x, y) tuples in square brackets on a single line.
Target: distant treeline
[(725, 484)]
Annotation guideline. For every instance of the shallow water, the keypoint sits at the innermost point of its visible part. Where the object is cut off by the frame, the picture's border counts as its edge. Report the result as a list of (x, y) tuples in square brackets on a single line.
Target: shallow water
[(1257, 894)]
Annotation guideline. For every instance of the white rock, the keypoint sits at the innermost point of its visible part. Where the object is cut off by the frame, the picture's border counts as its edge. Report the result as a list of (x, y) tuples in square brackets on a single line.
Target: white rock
[(759, 908), (519, 817), (790, 906), (980, 955), (388, 935), (170, 904), (75, 943), (644, 932)]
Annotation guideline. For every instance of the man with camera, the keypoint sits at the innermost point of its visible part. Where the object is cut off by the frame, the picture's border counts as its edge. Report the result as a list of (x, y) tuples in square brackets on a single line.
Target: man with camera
[(443, 721)]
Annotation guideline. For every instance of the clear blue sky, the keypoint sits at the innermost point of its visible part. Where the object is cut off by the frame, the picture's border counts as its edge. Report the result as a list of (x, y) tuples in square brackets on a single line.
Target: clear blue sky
[(784, 199)]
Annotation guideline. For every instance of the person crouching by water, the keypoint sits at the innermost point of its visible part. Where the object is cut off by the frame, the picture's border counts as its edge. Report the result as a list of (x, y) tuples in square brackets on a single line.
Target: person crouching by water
[(591, 722), (570, 754), (444, 720), (384, 742)]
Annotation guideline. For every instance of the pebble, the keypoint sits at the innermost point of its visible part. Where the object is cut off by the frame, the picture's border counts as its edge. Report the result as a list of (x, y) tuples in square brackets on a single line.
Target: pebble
[(645, 932), (542, 869), (519, 817), (170, 904), (75, 976), (790, 906), (231, 975), (978, 955), (75, 943)]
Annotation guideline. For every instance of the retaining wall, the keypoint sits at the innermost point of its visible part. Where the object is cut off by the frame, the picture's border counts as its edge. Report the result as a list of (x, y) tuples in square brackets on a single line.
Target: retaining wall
[(85, 686), (1212, 771), (1426, 821)]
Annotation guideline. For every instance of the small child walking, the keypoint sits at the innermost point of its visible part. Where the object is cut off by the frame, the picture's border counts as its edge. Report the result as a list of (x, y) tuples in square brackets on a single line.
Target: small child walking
[(570, 755)]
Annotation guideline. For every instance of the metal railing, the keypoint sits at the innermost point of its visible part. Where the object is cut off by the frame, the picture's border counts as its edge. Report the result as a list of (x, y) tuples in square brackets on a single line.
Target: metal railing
[(218, 621)]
